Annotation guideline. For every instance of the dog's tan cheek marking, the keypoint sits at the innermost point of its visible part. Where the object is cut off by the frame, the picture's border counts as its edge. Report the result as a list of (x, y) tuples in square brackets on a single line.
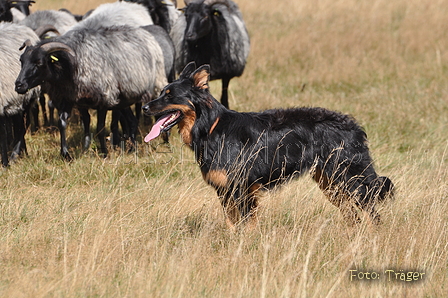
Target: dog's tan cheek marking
[(217, 178), (186, 125)]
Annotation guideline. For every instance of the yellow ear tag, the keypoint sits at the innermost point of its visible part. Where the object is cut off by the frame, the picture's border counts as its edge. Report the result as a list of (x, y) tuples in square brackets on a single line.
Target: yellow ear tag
[(54, 58), (216, 13)]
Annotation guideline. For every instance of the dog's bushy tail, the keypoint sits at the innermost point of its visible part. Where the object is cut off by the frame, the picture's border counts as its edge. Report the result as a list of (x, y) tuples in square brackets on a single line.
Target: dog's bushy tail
[(381, 188)]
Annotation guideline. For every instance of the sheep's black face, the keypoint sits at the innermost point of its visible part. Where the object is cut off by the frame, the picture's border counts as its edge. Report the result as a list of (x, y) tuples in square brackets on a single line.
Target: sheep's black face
[(199, 22), (159, 12), (33, 70), (5, 12)]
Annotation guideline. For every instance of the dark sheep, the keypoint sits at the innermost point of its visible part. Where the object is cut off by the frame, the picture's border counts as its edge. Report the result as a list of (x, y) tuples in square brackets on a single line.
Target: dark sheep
[(212, 32)]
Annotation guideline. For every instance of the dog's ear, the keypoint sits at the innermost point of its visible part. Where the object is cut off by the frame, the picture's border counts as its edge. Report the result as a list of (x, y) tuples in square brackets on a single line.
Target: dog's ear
[(188, 70), (201, 76)]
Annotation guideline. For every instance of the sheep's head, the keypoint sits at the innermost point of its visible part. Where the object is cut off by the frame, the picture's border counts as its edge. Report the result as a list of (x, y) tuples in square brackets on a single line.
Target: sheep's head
[(22, 5), (158, 10), (44, 62), (199, 22), (5, 11), (204, 15), (159, 13)]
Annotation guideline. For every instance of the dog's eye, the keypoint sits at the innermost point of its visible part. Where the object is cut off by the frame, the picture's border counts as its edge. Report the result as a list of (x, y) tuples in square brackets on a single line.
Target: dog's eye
[(168, 93)]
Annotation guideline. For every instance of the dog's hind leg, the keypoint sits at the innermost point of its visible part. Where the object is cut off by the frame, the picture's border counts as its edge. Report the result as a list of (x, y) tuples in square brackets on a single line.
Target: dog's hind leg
[(337, 196), (249, 206)]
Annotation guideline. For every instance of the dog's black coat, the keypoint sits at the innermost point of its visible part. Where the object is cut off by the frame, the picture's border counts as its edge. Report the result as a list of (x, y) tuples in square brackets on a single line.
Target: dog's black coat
[(241, 153)]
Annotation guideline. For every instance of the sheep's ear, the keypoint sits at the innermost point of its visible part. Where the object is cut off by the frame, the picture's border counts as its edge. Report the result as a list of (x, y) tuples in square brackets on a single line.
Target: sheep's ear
[(188, 70), (201, 77), (27, 43)]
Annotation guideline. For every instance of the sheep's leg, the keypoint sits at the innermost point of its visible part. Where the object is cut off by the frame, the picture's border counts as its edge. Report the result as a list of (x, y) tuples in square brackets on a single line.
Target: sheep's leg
[(19, 136), (44, 109), (51, 112), (33, 109), (64, 114), (4, 141), (100, 130), (224, 94), (85, 118), (132, 126), (116, 117), (138, 110)]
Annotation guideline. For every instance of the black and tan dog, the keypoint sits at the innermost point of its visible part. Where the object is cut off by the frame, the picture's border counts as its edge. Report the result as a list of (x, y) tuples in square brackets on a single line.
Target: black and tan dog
[(242, 153)]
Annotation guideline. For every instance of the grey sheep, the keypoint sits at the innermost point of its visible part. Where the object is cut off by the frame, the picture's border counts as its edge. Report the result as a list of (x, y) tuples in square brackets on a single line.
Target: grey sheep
[(212, 32), (106, 68), (13, 105), (116, 13), (62, 21), (134, 15), (129, 14)]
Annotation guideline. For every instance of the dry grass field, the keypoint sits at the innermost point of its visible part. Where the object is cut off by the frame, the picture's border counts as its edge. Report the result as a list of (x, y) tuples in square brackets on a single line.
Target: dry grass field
[(147, 225)]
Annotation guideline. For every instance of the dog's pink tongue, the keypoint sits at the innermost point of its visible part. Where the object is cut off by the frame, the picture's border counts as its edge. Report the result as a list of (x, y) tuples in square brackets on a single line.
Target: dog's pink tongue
[(156, 128)]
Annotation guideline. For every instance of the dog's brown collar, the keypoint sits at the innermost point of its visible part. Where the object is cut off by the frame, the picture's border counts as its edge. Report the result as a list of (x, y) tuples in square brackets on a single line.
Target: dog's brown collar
[(213, 126)]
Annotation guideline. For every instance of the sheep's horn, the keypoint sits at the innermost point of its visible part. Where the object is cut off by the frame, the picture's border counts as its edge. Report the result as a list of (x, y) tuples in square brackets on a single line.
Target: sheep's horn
[(211, 2), (27, 43), (44, 29), (187, 2), (54, 46)]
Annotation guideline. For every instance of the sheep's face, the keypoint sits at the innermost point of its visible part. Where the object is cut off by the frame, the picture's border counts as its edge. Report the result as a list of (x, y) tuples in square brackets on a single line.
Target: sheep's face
[(33, 69), (5, 12), (199, 21), (52, 62), (159, 12)]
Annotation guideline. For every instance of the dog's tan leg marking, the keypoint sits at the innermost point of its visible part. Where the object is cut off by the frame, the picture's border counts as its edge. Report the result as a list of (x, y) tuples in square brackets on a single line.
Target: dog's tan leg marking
[(216, 178)]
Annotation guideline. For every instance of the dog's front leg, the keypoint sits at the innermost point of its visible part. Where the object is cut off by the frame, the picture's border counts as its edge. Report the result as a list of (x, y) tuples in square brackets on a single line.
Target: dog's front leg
[(230, 208)]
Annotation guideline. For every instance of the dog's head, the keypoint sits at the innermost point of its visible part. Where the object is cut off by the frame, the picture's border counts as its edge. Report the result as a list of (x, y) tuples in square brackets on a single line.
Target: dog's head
[(178, 102)]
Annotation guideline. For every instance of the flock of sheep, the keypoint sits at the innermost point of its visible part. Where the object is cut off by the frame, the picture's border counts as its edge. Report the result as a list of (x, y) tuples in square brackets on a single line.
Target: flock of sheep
[(113, 57)]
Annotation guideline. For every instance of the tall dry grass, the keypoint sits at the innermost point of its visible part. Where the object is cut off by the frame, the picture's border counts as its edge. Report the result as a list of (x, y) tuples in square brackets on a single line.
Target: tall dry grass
[(146, 225)]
